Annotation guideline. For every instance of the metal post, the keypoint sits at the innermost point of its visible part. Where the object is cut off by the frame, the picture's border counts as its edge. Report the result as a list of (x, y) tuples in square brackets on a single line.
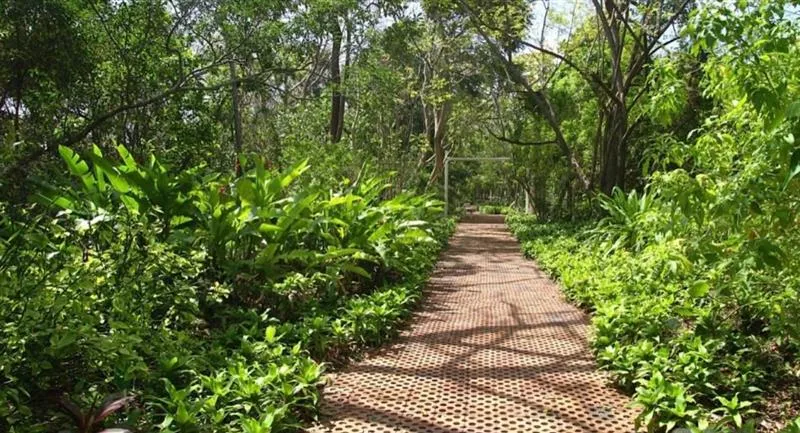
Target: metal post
[(527, 202), (446, 185), (527, 196)]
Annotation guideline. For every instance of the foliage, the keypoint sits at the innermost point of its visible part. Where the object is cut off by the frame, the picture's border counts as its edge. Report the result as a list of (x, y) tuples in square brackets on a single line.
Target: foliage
[(494, 209), (696, 347), (690, 279), (141, 264), (213, 299)]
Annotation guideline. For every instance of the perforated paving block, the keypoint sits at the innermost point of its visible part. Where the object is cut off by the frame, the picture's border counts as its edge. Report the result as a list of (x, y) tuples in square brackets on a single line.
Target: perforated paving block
[(493, 348)]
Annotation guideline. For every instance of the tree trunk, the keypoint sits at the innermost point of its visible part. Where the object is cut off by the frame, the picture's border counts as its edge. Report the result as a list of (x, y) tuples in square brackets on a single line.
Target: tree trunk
[(337, 100), (440, 119), (614, 150), (237, 119), (540, 196), (343, 77), (562, 195)]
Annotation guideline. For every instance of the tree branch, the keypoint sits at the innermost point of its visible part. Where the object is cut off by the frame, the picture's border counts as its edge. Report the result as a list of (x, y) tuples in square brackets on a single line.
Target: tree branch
[(586, 75), (519, 142), (178, 87)]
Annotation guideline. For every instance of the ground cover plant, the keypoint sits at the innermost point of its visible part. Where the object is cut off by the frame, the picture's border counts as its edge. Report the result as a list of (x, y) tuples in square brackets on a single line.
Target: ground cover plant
[(194, 301), (697, 345)]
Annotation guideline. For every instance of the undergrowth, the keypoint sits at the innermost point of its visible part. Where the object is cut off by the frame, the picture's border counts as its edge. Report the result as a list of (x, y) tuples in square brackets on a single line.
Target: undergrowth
[(701, 341), (138, 297)]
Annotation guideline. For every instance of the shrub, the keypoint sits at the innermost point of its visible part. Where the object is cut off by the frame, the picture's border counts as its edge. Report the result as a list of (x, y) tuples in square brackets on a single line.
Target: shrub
[(699, 340), (493, 209), (213, 303)]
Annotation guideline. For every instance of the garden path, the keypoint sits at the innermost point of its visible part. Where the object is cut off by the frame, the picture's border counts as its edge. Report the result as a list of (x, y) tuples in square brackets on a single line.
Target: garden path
[(493, 348)]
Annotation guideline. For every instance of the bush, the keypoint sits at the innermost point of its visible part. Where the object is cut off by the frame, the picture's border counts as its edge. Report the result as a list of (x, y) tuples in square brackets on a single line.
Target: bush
[(492, 209), (699, 340), (195, 302)]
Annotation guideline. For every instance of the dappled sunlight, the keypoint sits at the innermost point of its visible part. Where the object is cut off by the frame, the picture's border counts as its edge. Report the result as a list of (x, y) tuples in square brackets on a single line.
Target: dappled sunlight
[(493, 348)]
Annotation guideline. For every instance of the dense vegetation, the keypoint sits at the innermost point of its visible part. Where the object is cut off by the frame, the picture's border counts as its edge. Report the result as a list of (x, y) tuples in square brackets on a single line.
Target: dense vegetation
[(691, 278), (210, 301), (700, 340), (198, 216), (493, 209)]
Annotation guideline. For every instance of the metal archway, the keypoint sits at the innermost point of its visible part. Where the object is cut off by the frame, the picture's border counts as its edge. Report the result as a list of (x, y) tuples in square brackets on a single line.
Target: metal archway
[(447, 175)]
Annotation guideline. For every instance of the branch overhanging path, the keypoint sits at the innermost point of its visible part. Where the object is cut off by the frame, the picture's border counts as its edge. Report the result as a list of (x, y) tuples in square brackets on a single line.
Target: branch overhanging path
[(494, 348)]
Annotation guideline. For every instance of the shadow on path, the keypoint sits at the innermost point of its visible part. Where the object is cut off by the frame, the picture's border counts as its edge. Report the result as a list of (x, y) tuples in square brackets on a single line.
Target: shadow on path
[(493, 348)]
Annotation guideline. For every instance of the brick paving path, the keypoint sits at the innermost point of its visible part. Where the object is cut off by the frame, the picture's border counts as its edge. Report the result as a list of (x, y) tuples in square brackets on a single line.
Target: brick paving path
[(494, 348)]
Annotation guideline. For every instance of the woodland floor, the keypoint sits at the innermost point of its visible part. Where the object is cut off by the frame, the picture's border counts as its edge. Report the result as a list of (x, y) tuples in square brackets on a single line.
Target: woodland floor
[(493, 348)]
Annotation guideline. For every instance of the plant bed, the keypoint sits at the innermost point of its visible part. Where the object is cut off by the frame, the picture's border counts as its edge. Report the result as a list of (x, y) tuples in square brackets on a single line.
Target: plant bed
[(671, 330), (150, 301)]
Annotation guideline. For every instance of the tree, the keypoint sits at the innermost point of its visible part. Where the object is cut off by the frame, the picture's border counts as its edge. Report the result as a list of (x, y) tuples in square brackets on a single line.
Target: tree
[(450, 64), (136, 72), (632, 34)]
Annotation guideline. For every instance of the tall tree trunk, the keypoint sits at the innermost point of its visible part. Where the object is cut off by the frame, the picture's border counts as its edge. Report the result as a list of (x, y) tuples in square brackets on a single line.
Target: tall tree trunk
[(17, 107), (596, 144), (570, 200), (614, 149), (21, 73), (343, 76), (237, 118), (562, 195), (427, 121), (407, 133), (615, 18), (440, 119), (337, 99), (539, 196)]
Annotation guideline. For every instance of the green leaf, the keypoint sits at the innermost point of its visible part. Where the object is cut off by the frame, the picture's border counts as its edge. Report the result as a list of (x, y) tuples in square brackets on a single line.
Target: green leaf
[(57, 344), (75, 165), (793, 110), (246, 191), (356, 270), (268, 228), (64, 202), (130, 163), (380, 233), (769, 253), (415, 223), (340, 252), (294, 173), (105, 168), (794, 168), (699, 289), (130, 203), (270, 334), (343, 199)]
